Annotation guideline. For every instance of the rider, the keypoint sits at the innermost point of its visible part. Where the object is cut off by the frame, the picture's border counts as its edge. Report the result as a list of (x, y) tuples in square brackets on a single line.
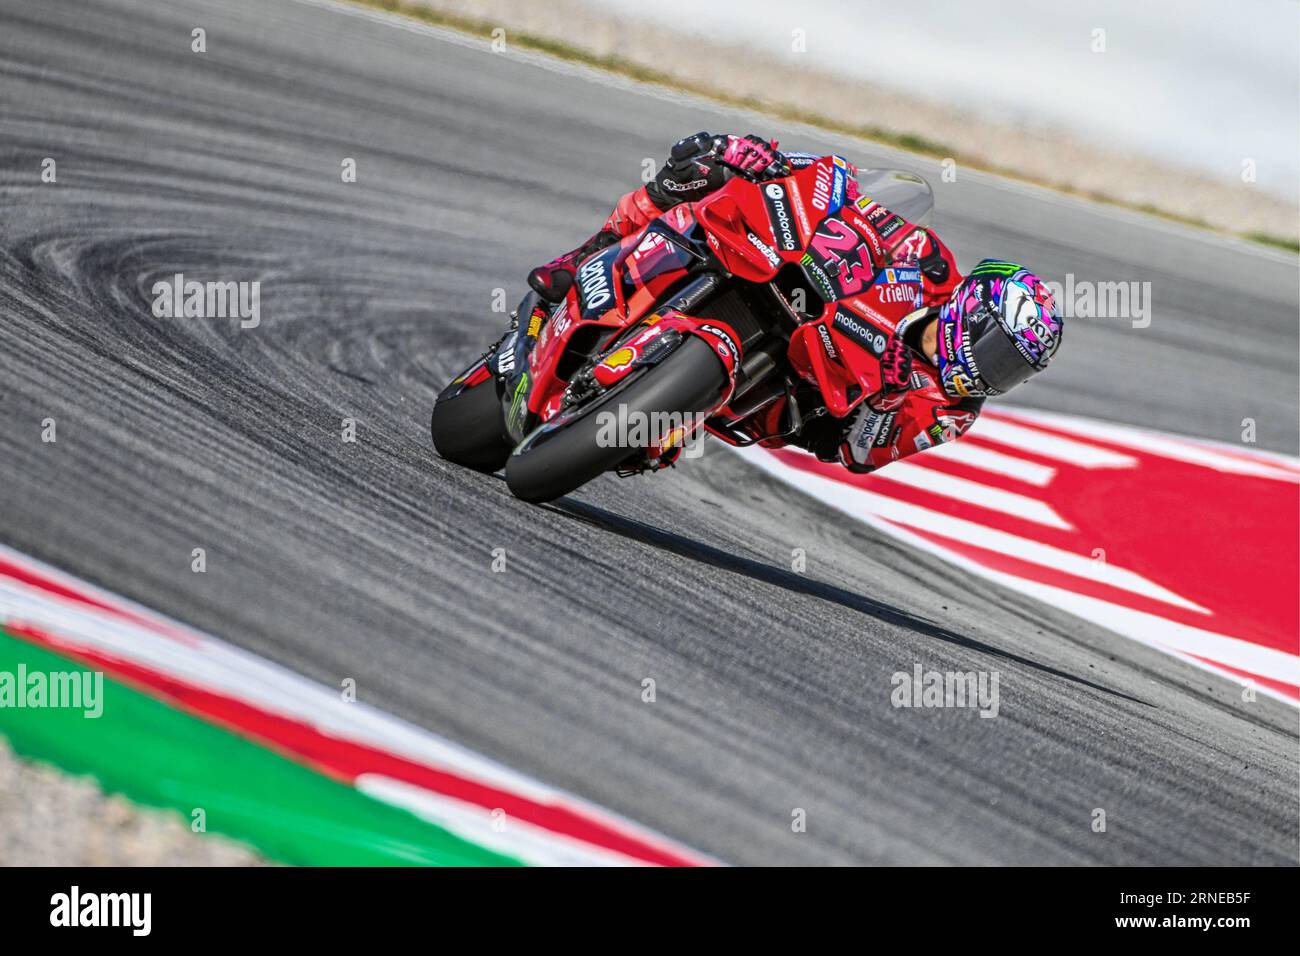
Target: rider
[(968, 337)]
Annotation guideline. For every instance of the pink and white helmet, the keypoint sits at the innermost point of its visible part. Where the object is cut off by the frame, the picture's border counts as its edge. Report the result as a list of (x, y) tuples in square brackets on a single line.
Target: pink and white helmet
[(1000, 327)]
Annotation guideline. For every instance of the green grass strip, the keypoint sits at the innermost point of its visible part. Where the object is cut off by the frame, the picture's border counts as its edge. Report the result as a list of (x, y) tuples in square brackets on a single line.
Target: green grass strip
[(158, 756)]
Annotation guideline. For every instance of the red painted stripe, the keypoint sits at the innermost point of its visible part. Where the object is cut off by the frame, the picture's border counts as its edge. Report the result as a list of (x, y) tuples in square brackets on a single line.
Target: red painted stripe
[(899, 490), (1277, 685), (346, 760), (43, 582), (1068, 582), (1043, 574), (991, 518), (1223, 540), (1061, 431), (1016, 451)]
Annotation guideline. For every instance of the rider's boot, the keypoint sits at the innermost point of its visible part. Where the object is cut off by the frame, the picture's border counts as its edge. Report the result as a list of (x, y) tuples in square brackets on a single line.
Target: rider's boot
[(553, 280)]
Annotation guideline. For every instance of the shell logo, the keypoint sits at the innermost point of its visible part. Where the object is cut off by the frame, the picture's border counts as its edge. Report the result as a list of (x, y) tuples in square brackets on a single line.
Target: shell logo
[(620, 359)]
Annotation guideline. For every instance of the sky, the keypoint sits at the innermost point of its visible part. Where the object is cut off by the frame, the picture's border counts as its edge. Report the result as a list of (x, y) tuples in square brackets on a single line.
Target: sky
[(1200, 83)]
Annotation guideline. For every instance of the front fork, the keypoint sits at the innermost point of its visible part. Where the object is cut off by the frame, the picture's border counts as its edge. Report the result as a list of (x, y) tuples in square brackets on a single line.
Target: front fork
[(508, 361)]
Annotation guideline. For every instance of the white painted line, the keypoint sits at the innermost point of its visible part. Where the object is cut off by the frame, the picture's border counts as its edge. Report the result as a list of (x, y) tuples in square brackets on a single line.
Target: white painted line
[(1242, 461), (859, 503), (974, 493), (977, 456), (1041, 443)]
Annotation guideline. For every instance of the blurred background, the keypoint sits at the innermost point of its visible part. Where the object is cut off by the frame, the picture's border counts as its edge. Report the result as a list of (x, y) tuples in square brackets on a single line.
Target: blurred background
[(1187, 109), (1200, 85)]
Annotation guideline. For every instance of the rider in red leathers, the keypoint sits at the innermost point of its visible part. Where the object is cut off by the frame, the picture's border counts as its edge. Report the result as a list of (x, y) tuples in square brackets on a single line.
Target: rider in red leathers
[(967, 338)]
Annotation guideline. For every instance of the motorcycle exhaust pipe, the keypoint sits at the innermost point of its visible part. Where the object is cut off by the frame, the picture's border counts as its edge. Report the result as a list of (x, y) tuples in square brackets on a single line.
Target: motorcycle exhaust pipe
[(696, 293)]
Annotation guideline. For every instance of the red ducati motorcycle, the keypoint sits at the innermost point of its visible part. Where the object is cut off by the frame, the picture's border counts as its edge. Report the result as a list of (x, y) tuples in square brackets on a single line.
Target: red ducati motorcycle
[(698, 323)]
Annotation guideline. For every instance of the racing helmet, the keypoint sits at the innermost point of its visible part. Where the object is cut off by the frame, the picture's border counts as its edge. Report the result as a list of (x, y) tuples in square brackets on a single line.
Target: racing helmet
[(1000, 327)]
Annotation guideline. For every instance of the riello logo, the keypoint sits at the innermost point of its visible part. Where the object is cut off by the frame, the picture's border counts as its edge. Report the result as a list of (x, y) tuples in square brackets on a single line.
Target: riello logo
[(821, 199)]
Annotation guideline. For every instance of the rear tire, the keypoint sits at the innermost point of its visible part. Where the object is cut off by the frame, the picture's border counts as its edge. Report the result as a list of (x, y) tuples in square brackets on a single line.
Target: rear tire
[(688, 380), (470, 429)]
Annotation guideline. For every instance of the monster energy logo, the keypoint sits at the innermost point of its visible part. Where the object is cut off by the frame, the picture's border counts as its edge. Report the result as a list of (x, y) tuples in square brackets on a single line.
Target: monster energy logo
[(517, 406), (819, 276), (995, 268)]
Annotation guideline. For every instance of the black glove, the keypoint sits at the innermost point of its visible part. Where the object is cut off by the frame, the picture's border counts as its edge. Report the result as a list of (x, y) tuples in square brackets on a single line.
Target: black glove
[(823, 436), (691, 173), (699, 164)]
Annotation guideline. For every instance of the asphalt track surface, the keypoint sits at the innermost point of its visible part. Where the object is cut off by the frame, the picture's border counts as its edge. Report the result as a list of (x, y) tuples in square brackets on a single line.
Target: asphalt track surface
[(372, 560)]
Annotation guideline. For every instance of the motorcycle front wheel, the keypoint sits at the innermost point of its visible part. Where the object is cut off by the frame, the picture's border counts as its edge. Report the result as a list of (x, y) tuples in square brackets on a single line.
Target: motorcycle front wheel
[(469, 427), (556, 459)]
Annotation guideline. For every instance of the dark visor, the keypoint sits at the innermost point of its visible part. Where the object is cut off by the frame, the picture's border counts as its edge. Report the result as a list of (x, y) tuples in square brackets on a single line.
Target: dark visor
[(999, 362)]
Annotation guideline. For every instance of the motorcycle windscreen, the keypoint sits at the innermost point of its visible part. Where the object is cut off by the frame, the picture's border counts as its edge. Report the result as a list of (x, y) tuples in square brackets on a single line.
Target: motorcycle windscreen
[(905, 194), (654, 265)]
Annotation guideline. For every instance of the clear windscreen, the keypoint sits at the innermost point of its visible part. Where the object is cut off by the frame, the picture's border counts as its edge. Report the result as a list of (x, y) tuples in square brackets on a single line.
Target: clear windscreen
[(905, 194)]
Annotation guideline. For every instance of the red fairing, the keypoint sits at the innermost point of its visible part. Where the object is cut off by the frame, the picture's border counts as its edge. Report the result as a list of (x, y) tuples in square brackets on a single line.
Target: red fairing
[(822, 351), (939, 275), (929, 417), (614, 307), (635, 210), (871, 272), (720, 336)]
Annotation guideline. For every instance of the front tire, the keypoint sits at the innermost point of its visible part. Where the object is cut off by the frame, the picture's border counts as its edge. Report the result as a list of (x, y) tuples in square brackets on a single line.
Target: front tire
[(554, 463), (469, 428)]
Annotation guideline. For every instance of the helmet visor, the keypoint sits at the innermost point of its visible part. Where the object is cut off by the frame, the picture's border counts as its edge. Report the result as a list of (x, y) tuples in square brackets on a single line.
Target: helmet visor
[(1000, 365)]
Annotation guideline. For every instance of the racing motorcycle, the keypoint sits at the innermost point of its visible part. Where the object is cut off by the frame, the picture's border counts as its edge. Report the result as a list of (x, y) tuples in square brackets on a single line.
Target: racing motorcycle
[(697, 324)]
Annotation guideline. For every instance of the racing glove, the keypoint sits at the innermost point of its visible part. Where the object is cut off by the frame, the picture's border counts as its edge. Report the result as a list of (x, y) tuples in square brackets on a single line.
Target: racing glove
[(697, 165), (823, 437), (754, 156), (895, 376), (691, 173)]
